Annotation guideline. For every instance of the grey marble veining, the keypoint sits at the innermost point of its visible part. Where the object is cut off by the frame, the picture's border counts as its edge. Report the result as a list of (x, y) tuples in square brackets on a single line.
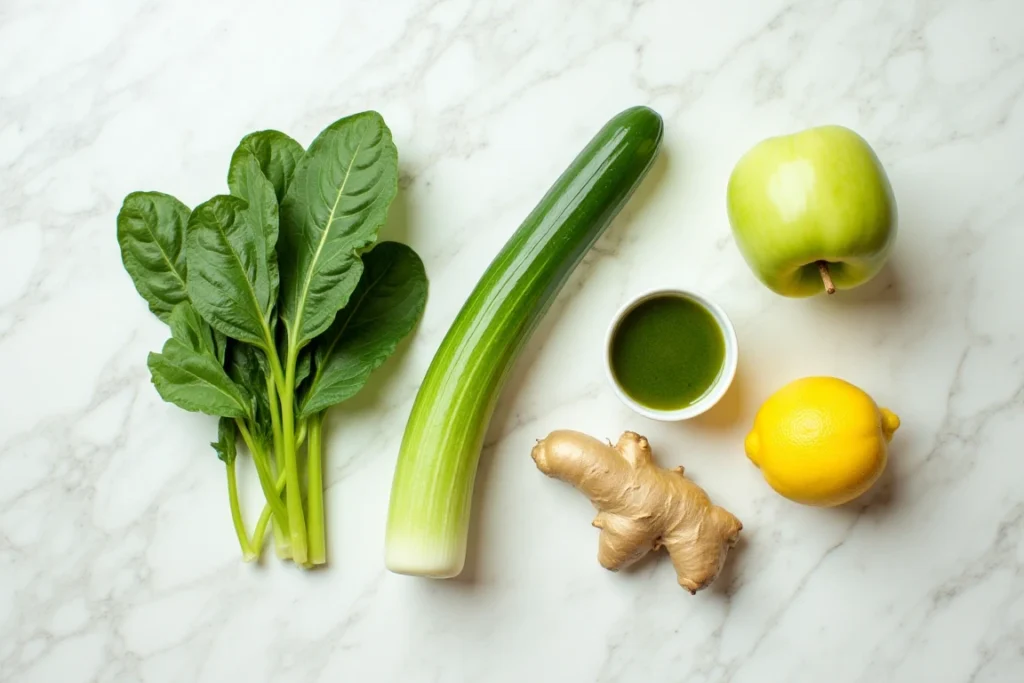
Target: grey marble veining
[(117, 558)]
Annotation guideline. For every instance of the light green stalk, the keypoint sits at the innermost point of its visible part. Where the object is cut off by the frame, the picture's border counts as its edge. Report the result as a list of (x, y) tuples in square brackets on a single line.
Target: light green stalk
[(293, 495), (315, 491), (261, 524), (236, 513), (282, 545), (259, 459)]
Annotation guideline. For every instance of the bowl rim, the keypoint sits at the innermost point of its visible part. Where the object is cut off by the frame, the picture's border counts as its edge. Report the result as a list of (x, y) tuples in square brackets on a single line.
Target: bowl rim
[(729, 364)]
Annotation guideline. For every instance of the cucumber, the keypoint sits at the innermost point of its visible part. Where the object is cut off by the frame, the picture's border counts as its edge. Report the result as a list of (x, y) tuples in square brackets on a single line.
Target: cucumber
[(428, 517)]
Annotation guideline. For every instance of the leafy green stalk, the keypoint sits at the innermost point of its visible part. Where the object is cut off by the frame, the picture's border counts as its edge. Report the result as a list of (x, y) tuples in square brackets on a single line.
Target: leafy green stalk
[(315, 491), (286, 245), (282, 543), (236, 514), (300, 433), (227, 451), (233, 282), (259, 459), (261, 524), (260, 171), (292, 492), (260, 532), (333, 208)]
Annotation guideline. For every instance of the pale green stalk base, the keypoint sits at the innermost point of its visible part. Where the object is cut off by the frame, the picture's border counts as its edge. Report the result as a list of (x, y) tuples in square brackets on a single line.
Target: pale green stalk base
[(428, 517), (282, 546), (236, 514), (432, 492), (419, 553), (315, 492)]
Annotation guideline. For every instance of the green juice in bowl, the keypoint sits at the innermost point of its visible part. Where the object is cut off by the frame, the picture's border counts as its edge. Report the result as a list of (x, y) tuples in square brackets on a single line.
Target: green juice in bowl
[(671, 354)]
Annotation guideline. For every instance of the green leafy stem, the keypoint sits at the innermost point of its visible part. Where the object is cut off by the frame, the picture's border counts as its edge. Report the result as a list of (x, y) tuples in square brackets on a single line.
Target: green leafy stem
[(280, 306)]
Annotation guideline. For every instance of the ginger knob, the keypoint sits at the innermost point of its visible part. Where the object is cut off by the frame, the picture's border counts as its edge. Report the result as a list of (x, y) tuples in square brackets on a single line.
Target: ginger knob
[(641, 506)]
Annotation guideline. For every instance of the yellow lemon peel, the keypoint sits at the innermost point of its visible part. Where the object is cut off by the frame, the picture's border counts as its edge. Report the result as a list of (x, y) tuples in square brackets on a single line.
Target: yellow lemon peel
[(821, 441)]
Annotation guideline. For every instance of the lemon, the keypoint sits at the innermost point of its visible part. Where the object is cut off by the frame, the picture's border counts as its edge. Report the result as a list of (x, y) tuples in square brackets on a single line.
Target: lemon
[(821, 441)]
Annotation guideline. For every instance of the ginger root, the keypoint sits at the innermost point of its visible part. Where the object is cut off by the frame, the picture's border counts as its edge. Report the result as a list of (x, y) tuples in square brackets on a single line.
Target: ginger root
[(642, 507)]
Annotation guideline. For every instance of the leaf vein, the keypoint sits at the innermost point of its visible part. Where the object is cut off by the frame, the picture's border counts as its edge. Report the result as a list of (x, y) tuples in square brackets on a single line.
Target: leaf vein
[(323, 238)]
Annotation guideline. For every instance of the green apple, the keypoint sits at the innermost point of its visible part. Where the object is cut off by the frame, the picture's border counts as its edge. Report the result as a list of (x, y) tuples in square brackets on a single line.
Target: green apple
[(812, 211)]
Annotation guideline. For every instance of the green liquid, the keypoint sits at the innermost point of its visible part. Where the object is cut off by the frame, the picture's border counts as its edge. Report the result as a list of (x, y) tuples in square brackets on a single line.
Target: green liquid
[(667, 352)]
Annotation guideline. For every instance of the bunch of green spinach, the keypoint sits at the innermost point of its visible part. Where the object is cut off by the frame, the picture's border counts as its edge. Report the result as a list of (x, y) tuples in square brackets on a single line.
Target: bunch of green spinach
[(278, 307)]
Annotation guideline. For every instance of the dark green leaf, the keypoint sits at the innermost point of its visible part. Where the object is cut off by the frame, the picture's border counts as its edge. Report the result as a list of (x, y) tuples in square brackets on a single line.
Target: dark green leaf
[(248, 367), (196, 382), (188, 327), (229, 279), (302, 366), (226, 444), (151, 233), (333, 209), (247, 181), (383, 309), (220, 343), (277, 155)]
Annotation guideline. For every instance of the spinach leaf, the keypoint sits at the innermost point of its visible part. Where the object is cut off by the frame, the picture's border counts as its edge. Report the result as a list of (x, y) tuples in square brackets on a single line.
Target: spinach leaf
[(333, 209), (229, 272), (383, 309), (188, 327), (151, 233), (247, 366), (247, 181), (226, 444), (220, 344), (286, 244), (276, 153), (194, 380), (303, 366)]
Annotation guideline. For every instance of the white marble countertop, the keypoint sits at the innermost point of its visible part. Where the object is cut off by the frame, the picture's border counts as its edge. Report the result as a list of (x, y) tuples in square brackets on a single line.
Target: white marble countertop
[(117, 558)]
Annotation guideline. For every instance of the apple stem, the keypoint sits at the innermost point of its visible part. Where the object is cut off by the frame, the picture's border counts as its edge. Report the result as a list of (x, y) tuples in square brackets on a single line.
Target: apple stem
[(826, 277)]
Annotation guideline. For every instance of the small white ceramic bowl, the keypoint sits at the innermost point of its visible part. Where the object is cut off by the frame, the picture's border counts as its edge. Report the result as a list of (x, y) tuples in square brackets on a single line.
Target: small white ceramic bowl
[(725, 377)]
